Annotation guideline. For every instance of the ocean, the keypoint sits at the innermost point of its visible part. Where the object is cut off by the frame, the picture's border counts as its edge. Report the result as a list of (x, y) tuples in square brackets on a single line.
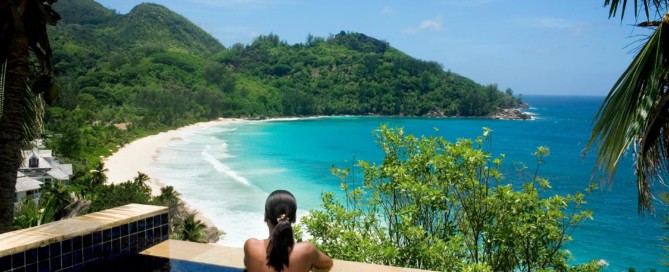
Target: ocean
[(226, 172)]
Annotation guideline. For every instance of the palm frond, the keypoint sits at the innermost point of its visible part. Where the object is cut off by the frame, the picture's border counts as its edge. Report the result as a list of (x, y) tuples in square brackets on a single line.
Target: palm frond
[(34, 109), (632, 112), (649, 7), (3, 72)]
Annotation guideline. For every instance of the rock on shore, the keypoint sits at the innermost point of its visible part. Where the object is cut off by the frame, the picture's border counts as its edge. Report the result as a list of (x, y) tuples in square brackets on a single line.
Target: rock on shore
[(511, 114), (502, 114)]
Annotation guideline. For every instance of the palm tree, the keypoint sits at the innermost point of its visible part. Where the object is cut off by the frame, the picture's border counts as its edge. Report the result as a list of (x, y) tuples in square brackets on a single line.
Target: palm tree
[(192, 230), (22, 35), (636, 110)]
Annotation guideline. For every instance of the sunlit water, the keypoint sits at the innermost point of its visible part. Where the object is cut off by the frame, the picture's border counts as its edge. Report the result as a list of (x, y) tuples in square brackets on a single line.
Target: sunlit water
[(226, 172)]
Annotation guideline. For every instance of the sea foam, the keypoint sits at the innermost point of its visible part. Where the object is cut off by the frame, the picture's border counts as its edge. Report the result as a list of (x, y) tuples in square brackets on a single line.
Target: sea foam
[(222, 168)]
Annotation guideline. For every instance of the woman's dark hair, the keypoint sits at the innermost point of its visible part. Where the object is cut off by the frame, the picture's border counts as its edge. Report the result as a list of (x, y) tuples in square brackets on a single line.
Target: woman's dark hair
[(280, 210)]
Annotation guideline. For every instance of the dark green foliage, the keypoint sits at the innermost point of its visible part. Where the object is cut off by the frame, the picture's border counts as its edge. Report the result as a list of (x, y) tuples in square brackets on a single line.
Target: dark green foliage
[(154, 24), (351, 73), (114, 195), (84, 12)]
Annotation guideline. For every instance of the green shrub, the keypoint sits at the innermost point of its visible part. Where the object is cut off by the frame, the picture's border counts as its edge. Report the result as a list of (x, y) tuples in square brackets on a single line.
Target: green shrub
[(436, 205)]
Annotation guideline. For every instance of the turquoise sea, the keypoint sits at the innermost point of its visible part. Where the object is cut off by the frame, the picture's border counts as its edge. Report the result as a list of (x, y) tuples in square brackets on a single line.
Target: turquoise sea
[(226, 172)]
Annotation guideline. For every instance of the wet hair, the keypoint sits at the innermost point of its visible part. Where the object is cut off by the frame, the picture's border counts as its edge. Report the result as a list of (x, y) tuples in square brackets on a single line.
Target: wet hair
[(280, 210)]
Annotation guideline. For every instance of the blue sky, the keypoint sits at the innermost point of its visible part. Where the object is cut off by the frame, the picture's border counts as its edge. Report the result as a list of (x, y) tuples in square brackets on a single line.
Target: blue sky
[(567, 47)]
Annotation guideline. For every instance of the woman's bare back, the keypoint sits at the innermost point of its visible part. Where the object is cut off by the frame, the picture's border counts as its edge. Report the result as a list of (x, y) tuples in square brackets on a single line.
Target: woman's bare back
[(303, 257)]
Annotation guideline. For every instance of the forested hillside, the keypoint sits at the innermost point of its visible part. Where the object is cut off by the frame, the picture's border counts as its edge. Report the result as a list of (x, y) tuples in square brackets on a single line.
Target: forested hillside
[(152, 69)]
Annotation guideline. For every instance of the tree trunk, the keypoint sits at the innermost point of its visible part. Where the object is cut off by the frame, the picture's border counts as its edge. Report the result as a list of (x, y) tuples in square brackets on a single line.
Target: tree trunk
[(11, 126)]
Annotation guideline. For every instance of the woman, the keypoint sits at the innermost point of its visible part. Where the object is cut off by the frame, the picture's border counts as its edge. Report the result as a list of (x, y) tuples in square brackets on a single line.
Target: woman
[(279, 252)]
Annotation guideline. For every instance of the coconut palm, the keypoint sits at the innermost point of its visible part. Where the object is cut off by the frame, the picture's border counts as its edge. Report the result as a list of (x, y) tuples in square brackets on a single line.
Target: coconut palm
[(636, 110), (26, 73), (192, 230)]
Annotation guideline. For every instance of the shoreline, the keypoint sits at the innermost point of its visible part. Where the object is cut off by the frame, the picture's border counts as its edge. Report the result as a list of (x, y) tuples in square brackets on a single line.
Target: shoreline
[(134, 157), (131, 158)]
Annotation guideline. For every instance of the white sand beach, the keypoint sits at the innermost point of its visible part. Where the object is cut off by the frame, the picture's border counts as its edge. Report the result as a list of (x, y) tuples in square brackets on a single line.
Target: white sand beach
[(134, 157)]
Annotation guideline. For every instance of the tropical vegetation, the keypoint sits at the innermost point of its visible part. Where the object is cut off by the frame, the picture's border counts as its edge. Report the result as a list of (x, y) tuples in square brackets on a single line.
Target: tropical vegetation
[(121, 77), (635, 113), (26, 81), (87, 194), (436, 205)]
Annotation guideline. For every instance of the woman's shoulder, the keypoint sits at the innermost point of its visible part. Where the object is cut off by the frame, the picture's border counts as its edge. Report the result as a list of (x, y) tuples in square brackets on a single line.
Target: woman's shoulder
[(253, 243), (305, 248)]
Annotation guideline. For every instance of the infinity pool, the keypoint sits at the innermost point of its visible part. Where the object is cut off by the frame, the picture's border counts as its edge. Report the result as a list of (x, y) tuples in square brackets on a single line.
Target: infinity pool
[(139, 262)]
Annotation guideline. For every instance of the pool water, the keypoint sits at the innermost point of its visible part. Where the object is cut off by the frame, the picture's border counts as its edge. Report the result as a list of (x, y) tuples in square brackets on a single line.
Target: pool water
[(139, 262)]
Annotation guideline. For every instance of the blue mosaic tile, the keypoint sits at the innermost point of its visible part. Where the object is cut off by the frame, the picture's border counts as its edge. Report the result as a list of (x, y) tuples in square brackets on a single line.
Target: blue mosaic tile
[(132, 239), (124, 229), (66, 246), (133, 227), (116, 233), (43, 266), (107, 248), (18, 259), (31, 256), (88, 254), (77, 257), (31, 268), (124, 243), (116, 247), (5, 263), (164, 231), (141, 225), (156, 221), (97, 237), (54, 263), (43, 252), (149, 223), (78, 252), (97, 250), (66, 260), (77, 243), (141, 239), (87, 240), (106, 235), (149, 235), (54, 249)]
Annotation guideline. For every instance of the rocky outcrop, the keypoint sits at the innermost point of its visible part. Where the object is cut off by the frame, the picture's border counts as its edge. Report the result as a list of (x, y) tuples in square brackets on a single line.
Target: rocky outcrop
[(213, 234), (435, 113), (511, 114)]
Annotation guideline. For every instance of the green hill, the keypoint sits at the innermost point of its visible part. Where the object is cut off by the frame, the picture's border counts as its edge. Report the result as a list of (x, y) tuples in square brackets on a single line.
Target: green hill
[(153, 69), (84, 12), (152, 25)]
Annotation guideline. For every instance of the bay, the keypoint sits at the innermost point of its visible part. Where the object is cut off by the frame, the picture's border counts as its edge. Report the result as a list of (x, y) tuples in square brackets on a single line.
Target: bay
[(226, 172)]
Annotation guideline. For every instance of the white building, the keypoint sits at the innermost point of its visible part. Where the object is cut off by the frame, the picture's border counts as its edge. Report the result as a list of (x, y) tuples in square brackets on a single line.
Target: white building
[(39, 167), (26, 187)]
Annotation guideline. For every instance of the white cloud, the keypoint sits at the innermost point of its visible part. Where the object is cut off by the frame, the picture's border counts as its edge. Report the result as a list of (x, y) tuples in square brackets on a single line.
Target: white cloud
[(428, 24), (387, 10), (573, 27)]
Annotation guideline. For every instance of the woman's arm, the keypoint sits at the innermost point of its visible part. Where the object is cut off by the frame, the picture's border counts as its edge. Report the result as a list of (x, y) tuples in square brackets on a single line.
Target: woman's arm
[(247, 252), (320, 261)]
